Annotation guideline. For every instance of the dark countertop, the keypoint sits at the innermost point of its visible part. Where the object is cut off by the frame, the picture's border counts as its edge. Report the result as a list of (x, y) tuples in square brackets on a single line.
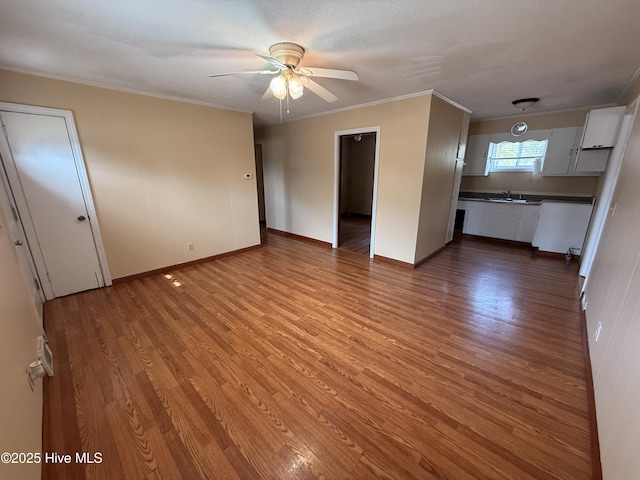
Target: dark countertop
[(531, 199)]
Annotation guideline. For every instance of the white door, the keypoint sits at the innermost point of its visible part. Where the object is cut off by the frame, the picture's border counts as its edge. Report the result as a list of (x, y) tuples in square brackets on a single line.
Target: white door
[(19, 239), (43, 176)]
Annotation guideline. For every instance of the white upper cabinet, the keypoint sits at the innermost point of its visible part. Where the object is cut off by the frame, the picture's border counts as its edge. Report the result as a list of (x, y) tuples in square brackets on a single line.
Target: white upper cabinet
[(557, 160), (601, 127), (475, 159), (600, 135)]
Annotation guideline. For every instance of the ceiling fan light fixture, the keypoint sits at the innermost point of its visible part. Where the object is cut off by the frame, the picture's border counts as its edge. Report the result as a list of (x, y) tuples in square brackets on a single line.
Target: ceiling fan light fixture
[(523, 103), (278, 87), (295, 87)]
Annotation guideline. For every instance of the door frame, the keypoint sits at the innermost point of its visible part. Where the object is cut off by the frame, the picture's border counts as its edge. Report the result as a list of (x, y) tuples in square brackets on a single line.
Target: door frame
[(336, 182), (83, 179)]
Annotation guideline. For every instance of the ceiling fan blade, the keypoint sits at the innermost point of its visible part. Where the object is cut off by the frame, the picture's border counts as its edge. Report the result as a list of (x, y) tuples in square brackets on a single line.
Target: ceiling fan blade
[(319, 90), (259, 72), (268, 94), (329, 73), (273, 61)]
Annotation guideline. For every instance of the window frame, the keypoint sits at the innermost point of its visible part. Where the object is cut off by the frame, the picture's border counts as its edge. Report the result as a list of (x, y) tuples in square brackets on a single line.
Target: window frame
[(493, 145)]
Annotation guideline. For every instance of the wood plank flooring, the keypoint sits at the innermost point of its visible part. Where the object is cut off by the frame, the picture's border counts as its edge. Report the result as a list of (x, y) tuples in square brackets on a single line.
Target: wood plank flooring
[(294, 361), (355, 234)]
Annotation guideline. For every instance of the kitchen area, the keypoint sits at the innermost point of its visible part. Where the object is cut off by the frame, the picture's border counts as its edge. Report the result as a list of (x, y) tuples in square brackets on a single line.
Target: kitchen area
[(537, 178)]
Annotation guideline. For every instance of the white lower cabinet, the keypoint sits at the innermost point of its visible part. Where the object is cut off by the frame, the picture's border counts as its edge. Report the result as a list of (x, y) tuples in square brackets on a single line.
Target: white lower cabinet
[(562, 227), (507, 221), (499, 224), (527, 224)]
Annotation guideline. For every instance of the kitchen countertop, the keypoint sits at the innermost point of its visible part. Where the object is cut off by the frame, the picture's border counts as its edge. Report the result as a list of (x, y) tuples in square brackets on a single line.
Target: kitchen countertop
[(531, 199), (502, 200)]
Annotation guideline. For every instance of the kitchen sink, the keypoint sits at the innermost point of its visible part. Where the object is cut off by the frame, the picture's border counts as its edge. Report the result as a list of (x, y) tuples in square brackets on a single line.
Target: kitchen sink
[(508, 200)]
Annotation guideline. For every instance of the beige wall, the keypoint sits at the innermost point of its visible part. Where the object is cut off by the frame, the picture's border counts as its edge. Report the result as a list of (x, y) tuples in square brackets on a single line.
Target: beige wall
[(163, 173), (299, 173), (613, 300), (525, 182), (444, 126), (21, 408)]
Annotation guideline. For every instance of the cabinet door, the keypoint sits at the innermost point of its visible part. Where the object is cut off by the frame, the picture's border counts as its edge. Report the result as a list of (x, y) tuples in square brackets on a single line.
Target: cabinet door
[(601, 128), (592, 160), (475, 161), (557, 160), (472, 222), (527, 225), (499, 225)]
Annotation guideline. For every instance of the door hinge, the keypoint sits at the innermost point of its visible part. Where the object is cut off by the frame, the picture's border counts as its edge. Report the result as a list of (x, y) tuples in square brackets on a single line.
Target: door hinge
[(14, 213), (4, 129), (37, 283)]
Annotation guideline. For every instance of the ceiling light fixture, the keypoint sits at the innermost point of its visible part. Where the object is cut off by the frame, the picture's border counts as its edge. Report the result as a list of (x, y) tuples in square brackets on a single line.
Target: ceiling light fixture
[(523, 103), (287, 83)]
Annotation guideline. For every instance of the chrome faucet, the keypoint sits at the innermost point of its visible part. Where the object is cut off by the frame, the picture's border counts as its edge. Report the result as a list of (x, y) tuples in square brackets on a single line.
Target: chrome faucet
[(507, 194)]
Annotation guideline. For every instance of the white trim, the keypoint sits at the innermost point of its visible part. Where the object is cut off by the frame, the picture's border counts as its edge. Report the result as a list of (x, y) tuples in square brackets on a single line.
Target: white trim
[(451, 102), (380, 102), (67, 115), (536, 114), (120, 89), (336, 182)]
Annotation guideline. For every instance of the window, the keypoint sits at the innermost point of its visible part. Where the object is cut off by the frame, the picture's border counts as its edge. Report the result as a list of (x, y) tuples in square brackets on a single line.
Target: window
[(516, 156)]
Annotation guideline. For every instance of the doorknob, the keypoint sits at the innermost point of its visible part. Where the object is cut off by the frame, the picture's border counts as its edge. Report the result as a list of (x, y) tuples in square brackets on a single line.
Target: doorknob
[(82, 218), (18, 243)]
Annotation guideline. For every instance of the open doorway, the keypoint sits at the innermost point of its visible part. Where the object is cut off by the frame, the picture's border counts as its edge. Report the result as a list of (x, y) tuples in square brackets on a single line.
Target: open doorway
[(260, 185), (356, 169)]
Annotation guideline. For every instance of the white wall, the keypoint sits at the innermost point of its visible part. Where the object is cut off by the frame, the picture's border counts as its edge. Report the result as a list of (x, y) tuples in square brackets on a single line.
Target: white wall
[(20, 408), (613, 301)]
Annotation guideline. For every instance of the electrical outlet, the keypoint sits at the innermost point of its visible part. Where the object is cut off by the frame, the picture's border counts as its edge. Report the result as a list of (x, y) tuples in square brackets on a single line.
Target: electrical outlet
[(190, 247), (598, 330)]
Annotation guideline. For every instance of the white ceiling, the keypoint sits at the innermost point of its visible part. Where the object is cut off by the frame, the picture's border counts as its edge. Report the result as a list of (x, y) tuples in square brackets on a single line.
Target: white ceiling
[(481, 54)]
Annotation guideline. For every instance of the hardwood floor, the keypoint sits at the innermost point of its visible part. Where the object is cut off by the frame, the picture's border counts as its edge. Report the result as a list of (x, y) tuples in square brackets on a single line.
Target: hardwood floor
[(295, 361), (355, 234)]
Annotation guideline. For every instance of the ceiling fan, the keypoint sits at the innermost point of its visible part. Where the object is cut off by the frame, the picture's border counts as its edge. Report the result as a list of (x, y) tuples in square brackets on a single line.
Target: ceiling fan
[(291, 81)]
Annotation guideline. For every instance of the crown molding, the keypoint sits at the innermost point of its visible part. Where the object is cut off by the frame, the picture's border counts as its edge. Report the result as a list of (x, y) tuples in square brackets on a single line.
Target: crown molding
[(119, 89)]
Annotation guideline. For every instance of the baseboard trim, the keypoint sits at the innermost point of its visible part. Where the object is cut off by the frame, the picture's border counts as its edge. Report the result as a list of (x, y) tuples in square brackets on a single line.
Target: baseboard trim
[(295, 236), (556, 255), (170, 268), (407, 265), (596, 465), (431, 255), (393, 261)]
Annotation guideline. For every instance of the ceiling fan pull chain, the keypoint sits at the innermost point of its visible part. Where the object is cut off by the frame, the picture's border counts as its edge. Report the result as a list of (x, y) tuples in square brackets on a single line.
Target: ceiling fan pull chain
[(287, 98), (280, 110)]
